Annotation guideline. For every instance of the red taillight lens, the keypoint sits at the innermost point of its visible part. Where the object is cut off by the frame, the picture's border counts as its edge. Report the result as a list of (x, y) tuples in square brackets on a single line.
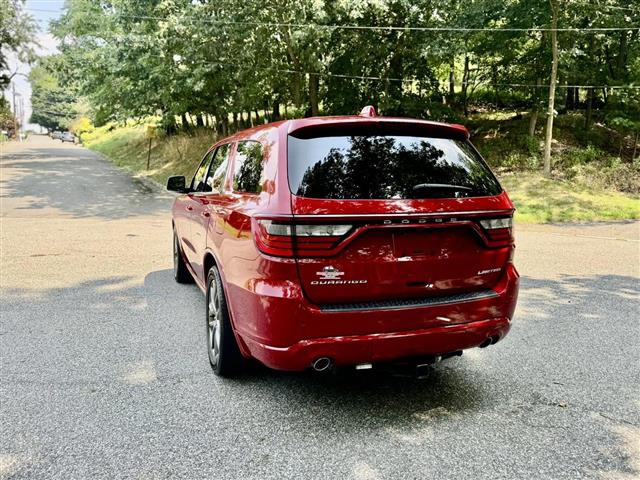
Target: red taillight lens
[(498, 229), (272, 237), (286, 239)]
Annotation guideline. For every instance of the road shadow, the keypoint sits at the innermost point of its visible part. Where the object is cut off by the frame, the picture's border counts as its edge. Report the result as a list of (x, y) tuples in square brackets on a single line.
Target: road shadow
[(143, 346), (465, 384), (79, 183)]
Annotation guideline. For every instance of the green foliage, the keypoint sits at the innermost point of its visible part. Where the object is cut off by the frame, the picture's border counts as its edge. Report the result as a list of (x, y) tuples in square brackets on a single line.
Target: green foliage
[(6, 116), (231, 64), (173, 57), (16, 31), (53, 103)]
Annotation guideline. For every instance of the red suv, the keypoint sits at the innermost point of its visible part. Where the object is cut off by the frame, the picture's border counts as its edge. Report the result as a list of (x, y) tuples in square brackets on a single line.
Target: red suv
[(351, 240)]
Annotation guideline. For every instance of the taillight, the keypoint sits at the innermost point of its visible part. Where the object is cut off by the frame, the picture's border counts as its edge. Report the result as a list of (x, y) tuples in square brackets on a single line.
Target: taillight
[(273, 238), (286, 239), (498, 229)]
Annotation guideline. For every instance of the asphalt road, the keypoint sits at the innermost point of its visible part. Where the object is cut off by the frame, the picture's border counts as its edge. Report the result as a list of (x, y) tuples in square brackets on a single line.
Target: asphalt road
[(104, 373)]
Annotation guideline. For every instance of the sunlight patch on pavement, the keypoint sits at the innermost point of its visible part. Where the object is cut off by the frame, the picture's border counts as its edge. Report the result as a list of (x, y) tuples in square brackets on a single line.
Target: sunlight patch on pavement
[(363, 471), (432, 414), (9, 464), (141, 373), (415, 436), (476, 355)]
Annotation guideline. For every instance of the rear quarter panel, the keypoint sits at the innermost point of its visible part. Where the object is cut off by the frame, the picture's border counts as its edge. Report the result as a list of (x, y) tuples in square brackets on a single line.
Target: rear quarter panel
[(252, 280)]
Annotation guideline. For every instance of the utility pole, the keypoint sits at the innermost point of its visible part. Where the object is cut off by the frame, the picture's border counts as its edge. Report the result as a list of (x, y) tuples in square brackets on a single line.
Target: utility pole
[(552, 86), (15, 117), (21, 117)]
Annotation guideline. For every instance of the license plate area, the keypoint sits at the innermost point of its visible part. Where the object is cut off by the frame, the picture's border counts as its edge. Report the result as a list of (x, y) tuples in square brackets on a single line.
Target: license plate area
[(417, 244)]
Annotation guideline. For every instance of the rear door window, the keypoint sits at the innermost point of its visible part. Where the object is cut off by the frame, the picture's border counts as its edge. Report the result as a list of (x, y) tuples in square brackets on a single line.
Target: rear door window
[(218, 169), (249, 162), (382, 166)]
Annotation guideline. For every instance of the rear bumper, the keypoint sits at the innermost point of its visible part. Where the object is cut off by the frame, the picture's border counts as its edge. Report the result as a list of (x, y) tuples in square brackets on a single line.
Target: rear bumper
[(356, 349), (289, 334)]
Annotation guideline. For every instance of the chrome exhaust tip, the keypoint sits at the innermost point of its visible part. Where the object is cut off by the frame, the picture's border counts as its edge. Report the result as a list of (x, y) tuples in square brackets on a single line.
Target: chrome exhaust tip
[(321, 364)]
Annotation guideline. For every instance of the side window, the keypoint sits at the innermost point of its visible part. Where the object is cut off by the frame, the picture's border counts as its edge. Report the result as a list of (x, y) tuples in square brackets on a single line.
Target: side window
[(218, 169), (197, 184), (249, 163)]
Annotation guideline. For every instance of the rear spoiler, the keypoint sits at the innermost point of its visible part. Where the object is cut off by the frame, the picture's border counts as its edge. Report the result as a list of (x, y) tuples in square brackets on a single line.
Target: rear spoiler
[(357, 125)]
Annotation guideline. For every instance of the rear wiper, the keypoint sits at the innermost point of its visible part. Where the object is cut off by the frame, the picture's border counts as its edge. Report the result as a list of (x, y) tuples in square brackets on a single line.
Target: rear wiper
[(441, 186)]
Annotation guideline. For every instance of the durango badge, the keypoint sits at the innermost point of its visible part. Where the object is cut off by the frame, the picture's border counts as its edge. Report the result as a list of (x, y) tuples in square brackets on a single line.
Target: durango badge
[(329, 275)]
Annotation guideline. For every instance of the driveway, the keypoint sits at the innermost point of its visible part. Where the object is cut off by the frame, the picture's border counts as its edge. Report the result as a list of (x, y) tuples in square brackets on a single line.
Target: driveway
[(104, 372)]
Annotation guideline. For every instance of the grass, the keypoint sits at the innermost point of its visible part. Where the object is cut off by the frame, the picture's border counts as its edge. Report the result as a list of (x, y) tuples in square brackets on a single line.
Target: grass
[(127, 147), (543, 200), (585, 191)]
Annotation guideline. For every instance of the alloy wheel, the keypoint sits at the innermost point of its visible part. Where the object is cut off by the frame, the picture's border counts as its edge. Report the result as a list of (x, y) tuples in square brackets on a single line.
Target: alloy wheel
[(176, 252), (213, 322)]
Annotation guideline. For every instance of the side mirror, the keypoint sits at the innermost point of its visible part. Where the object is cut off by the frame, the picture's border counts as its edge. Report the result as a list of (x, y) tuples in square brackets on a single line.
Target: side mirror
[(176, 184)]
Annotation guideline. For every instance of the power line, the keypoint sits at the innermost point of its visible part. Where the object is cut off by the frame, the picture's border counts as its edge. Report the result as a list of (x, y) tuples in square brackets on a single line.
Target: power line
[(398, 79), (615, 7), (376, 27), (413, 79)]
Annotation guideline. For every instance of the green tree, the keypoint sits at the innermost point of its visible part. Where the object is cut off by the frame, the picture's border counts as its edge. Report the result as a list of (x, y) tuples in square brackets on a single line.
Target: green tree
[(16, 36), (53, 102)]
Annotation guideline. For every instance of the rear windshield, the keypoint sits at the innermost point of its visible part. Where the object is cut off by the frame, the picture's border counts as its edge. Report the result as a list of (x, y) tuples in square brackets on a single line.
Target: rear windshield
[(387, 167)]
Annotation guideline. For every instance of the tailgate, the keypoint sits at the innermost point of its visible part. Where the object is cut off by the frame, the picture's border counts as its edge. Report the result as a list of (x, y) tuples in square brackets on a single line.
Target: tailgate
[(400, 261)]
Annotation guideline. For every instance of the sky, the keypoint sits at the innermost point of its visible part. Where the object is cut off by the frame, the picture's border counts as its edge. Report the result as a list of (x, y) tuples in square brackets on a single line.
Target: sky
[(43, 11)]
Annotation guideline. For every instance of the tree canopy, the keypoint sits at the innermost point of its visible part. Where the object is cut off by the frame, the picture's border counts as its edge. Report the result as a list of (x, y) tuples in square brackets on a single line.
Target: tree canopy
[(203, 61), (16, 37)]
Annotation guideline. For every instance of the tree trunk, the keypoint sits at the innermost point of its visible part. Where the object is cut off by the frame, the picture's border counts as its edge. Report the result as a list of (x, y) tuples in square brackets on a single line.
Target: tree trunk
[(216, 125), (569, 103), (185, 122), (465, 85), (169, 121), (267, 111), (494, 79), (224, 118), (635, 147), (590, 92), (533, 119), (199, 121), (314, 84), (552, 86), (622, 55), (276, 109), (257, 116), (236, 126), (452, 78), (589, 111)]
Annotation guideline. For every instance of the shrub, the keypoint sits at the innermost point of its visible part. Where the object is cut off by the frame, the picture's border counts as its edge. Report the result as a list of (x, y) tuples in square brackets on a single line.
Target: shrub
[(81, 126)]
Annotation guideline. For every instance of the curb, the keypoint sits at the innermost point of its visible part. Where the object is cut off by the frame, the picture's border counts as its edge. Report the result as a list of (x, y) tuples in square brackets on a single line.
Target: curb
[(150, 182)]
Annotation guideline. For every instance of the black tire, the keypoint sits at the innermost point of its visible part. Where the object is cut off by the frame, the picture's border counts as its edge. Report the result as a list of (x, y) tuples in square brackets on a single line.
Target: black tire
[(224, 355), (180, 271)]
